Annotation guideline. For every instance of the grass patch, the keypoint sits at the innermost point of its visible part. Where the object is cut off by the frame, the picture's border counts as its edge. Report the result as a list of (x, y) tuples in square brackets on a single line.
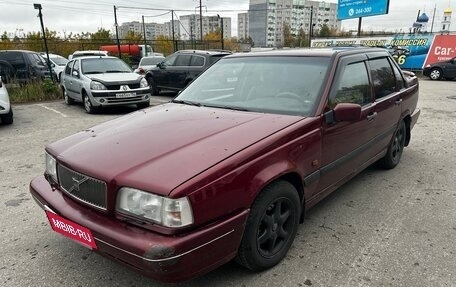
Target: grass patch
[(34, 92)]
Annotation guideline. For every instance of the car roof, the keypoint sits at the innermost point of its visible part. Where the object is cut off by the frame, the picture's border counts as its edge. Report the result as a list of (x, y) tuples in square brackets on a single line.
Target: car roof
[(21, 51), (312, 52), (206, 52), (94, 57)]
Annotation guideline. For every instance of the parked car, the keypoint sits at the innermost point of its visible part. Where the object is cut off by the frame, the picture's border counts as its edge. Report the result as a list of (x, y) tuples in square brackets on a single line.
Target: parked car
[(85, 53), (147, 63), (180, 68), (22, 66), (57, 62), (441, 70), (230, 166), (103, 81), (6, 111)]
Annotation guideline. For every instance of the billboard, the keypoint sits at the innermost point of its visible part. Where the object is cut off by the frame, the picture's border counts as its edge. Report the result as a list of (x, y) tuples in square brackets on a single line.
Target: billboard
[(409, 51), (349, 9), (443, 49)]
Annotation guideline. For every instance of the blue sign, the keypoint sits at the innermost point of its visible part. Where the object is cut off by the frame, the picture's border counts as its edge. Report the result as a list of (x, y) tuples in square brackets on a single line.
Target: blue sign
[(348, 9)]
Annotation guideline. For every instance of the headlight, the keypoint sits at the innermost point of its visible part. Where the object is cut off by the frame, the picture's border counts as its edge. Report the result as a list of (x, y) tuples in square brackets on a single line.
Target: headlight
[(97, 86), (51, 166), (162, 210), (143, 83)]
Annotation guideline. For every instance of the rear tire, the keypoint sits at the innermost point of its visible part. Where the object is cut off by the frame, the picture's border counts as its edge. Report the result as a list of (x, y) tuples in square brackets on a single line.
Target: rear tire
[(8, 118), (395, 149), (271, 227)]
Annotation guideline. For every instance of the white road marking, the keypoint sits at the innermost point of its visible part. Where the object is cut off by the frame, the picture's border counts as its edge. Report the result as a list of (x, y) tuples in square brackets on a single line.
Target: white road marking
[(52, 110)]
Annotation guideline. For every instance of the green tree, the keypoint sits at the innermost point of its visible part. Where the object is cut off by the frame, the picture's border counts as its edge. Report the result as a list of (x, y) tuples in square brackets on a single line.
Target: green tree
[(101, 36), (134, 38), (324, 31), (288, 38), (4, 37)]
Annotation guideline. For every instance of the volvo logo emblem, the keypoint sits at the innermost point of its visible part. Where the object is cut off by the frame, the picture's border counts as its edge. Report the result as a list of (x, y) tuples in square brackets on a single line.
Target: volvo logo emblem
[(124, 87), (77, 183)]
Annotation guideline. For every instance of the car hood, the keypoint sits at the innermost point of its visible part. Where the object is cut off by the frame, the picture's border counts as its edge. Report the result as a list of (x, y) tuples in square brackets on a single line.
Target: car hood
[(160, 148), (115, 77)]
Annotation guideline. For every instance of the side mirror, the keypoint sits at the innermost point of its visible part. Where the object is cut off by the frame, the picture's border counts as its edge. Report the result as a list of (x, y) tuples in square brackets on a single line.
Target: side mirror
[(76, 74), (161, 65), (344, 112), (52, 65)]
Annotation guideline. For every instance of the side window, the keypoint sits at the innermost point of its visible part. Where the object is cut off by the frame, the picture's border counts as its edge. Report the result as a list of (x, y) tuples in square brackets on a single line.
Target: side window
[(169, 61), (183, 60), (382, 77), (197, 61), (352, 86), (76, 66), (68, 68), (398, 74), (37, 60)]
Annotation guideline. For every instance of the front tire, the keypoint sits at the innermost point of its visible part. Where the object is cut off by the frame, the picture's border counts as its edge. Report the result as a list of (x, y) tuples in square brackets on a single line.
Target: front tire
[(435, 74), (395, 149), (152, 86), (271, 227), (89, 108), (8, 118), (68, 101)]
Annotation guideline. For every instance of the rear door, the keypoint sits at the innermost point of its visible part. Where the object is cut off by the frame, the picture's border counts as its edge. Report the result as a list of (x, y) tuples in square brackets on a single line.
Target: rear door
[(178, 73), (388, 86)]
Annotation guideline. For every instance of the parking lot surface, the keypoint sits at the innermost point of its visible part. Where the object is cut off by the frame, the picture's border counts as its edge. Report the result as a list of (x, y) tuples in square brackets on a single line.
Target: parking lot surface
[(383, 228)]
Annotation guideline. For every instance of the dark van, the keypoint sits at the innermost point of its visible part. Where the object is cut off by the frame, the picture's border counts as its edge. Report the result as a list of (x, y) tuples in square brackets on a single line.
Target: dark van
[(22, 66)]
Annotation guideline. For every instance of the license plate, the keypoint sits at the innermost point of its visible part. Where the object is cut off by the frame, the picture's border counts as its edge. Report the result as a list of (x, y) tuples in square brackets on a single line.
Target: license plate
[(72, 230), (125, 95)]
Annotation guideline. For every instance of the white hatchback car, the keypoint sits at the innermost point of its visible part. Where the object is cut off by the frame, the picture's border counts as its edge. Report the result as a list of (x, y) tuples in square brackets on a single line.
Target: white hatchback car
[(6, 112)]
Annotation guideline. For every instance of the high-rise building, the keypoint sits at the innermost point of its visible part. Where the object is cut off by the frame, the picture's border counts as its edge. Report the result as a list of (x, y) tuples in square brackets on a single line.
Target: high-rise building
[(153, 30), (243, 25), (191, 26), (267, 19)]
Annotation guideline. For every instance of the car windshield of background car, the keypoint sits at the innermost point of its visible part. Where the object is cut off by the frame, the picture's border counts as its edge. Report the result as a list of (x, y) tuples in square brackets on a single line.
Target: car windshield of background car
[(280, 84), (60, 61), (104, 65)]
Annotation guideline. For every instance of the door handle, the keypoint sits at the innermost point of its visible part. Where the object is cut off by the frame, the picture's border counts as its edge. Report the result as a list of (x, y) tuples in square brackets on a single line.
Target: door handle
[(398, 102), (371, 116)]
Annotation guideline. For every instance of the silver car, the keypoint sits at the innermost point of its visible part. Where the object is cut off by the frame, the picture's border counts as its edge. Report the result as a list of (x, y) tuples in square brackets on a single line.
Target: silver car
[(103, 81), (6, 112)]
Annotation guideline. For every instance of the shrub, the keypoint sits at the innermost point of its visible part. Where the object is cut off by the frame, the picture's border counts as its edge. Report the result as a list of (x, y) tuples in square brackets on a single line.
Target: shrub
[(34, 92)]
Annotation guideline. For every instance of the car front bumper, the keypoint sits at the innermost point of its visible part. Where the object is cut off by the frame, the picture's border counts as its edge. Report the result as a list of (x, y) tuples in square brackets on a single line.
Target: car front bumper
[(110, 98), (162, 257)]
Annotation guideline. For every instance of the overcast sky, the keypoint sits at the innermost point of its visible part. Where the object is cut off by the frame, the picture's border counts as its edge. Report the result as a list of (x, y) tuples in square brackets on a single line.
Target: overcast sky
[(65, 16)]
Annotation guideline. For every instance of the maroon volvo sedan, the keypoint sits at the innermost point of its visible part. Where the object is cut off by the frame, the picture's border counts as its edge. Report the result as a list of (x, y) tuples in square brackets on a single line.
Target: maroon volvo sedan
[(229, 167)]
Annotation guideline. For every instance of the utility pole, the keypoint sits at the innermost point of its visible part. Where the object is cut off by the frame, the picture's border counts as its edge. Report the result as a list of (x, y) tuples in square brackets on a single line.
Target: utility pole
[(201, 21), (172, 28), (117, 32), (38, 6), (144, 33)]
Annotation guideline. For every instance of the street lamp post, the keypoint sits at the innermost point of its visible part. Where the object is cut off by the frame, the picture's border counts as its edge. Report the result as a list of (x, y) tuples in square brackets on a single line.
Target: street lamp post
[(38, 7), (221, 31)]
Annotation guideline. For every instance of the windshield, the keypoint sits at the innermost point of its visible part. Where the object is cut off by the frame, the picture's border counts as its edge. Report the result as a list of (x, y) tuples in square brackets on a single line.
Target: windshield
[(151, 61), (281, 84), (60, 61), (104, 65)]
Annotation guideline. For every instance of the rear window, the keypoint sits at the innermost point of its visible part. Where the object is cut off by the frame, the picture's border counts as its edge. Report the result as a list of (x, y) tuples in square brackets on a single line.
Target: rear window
[(215, 58), (14, 58)]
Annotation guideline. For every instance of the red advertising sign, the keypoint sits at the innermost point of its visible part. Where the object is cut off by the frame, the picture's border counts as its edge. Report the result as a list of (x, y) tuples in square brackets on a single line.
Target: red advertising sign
[(443, 48), (72, 230)]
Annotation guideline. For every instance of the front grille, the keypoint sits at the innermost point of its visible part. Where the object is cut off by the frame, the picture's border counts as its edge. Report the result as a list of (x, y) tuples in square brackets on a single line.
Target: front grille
[(84, 188), (124, 100), (117, 87)]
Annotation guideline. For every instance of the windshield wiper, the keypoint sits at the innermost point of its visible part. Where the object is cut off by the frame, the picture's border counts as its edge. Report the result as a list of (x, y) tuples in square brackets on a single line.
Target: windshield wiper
[(93, 72), (185, 102), (234, 108), (115, 71)]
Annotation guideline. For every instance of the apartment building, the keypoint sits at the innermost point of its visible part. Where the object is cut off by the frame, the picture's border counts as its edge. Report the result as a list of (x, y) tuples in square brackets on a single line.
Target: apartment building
[(266, 19), (190, 26)]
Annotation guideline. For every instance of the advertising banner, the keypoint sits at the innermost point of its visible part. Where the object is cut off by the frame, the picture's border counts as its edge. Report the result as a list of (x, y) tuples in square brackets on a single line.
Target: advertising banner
[(443, 49), (409, 51), (348, 9)]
